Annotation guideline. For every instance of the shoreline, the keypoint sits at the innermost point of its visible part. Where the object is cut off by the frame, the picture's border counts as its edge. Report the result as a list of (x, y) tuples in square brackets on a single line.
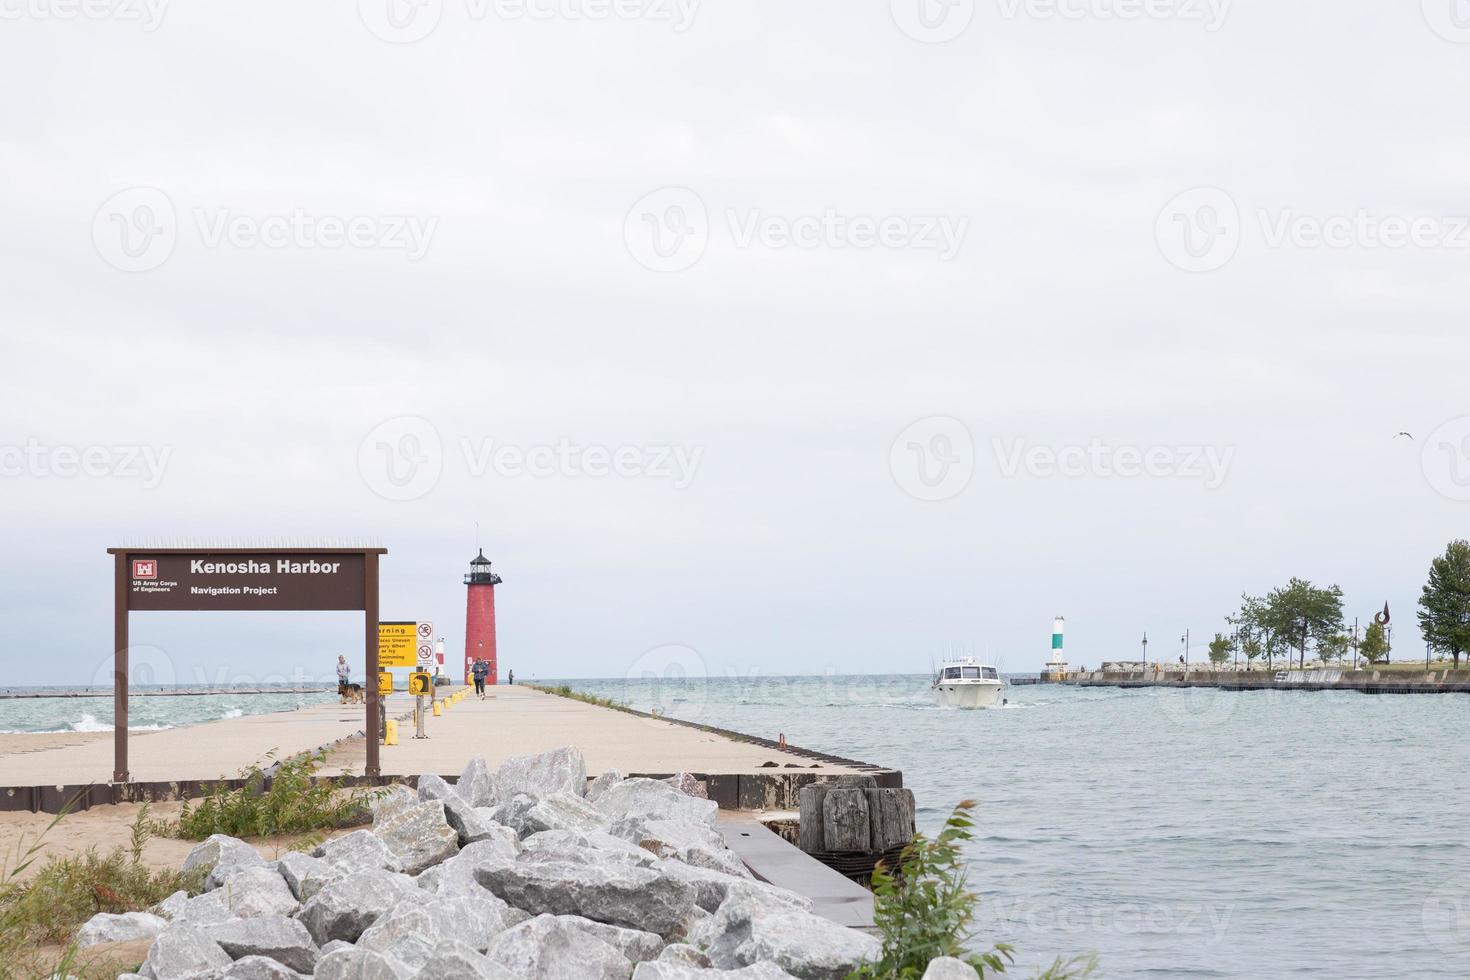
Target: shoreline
[(1378, 681)]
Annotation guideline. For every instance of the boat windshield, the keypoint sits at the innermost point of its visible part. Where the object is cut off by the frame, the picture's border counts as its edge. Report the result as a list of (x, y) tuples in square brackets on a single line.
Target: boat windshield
[(972, 673), (991, 674), (951, 673)]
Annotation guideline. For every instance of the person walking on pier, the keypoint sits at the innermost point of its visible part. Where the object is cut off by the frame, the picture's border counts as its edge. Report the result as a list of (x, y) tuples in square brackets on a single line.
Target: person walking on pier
[(344, 674), (511, 677), (479, 671)]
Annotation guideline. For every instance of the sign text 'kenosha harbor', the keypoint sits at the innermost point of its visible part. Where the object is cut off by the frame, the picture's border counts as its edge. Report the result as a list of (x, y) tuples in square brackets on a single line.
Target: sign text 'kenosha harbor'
[(236, 582)]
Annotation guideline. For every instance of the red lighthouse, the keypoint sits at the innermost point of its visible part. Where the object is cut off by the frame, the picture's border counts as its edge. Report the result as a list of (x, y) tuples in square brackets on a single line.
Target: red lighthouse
[(479, 618)]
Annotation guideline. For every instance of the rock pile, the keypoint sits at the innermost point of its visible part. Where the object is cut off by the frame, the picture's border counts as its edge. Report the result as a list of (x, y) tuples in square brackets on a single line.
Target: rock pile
[(518, 874)]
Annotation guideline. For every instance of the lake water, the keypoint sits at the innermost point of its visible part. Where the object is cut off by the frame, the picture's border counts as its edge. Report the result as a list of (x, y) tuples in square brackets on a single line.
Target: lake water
[(94, 714), (1176, 833)]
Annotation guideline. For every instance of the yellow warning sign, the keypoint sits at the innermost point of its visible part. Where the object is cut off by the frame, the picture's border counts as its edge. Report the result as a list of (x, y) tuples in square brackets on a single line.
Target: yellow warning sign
[(398, 644), (385, 683), (418, 683)]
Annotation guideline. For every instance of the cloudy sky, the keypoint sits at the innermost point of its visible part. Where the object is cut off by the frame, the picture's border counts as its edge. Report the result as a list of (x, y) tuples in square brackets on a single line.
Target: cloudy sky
[(790, 337)]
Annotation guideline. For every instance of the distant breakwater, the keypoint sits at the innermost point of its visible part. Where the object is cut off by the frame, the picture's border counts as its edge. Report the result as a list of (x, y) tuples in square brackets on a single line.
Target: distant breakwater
[(1442, 681), (106, 692)]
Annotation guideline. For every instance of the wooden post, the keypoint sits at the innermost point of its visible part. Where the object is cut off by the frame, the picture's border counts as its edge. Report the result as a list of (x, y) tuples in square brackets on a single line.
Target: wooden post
[(370, 682), (121, 575)]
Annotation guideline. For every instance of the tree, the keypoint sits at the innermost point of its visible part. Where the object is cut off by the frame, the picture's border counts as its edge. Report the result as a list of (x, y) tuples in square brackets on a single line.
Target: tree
[(1302, 612), (1374, 645), (1220, 649), (1254, 630), (1250, 645), (1444, 604), (1335, 647)]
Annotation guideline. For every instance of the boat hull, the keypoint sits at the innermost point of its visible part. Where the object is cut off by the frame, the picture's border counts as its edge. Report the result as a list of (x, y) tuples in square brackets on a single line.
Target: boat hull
[(972, 695)]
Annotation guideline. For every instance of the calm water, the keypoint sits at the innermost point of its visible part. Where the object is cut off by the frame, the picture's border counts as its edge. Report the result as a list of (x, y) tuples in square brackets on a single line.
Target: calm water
[(1174, 833)]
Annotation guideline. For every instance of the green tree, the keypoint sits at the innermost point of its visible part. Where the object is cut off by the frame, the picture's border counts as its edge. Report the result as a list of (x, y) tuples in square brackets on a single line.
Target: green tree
[(1250, 645), (1335, 647), (1301, 612), (1250, 619), (1221, 647), (1375, 645), (1444, 603)]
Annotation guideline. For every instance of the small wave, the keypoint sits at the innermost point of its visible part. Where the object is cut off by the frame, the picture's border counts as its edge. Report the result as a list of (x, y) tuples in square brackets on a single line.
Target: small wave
[(89, 723), (233, 713)]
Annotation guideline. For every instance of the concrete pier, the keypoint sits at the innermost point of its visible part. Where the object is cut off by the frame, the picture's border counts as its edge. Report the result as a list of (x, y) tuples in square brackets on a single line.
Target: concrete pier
[(37, 772)]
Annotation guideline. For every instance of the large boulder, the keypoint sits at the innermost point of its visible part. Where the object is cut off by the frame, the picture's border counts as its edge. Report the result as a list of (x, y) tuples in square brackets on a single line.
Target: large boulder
[(355, 963), (693, 843), (218, 849), (949, 968), (254, 892), (457, 875), (602, 784), (651, 799), (712, 888), (689, 785), (389, 801), (469, 823), (454, 960), (413, 930), (361, 850), (638, 946), (747, 930), (419, 836), (350, 904), (593, 847), (183, 952), (548, 948), (476, 786), (561, 770), (107, 928), (304, 874), (560, 811), (620, 895), (260, 968), (668, 970), (201, 910), (284, 940)]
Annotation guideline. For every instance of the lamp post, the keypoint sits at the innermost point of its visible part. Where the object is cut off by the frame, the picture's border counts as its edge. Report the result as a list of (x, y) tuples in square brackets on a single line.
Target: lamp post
[(1185, 640), (1145, 650)]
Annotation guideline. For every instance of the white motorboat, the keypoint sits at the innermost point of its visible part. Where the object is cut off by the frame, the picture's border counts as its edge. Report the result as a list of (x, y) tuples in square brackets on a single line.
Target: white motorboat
[(963, 683)]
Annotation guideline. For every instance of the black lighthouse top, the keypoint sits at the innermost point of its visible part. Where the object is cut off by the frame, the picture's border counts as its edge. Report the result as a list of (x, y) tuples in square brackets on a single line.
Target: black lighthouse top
[(480, 573)]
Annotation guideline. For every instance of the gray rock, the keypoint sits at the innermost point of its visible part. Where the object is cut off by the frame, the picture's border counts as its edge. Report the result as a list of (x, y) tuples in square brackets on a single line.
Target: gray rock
[(284, 940), (391, 800), (353, 963), (602, 784), (469, 823), (457, 875), (413, 930), (220, 849), (432, 787), (693, 843), (260, 968), (593, 847), (106, 928), (687, 784), (476, 786), (561, 770), (512, 813), (222, 873), (546, 948), (680, 971), (253, 892), (419, 836), (347, 906), (453, 960), (183, 952), (201, 910), (845, 821), (620, 895), (638, 946), (305, 875), (949, 968), (682, 954), (360, 850), (560, 811), (650, 799), (334, 945), (711, 888), (746, 931)]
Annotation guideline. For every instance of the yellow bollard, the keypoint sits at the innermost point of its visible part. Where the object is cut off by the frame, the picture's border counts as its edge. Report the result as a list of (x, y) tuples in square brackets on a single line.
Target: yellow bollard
[(390, 732), (438, 708)]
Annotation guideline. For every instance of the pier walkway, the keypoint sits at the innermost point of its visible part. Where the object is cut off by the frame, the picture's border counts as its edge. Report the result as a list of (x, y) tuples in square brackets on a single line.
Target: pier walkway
[(512, 721)]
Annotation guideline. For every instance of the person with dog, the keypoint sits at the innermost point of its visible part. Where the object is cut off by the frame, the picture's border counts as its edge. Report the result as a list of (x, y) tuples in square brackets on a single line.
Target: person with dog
[(480, 670), (344, 674)]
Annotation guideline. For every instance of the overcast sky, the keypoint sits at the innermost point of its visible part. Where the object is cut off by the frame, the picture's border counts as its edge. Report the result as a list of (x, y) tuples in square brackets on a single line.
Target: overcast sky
[(789, 337)]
